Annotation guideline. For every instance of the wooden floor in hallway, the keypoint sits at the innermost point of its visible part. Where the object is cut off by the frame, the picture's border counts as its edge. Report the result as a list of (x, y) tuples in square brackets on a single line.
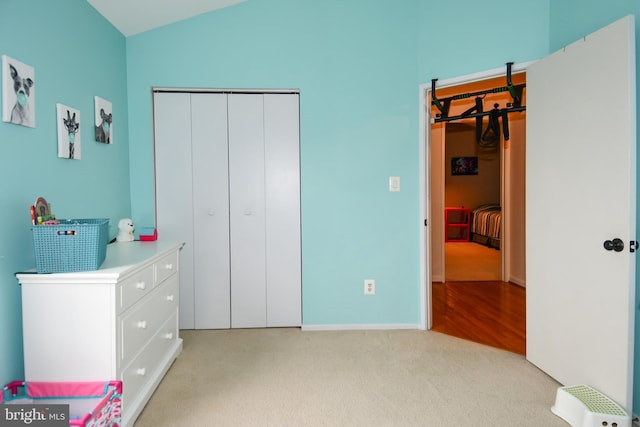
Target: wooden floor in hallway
[(491, 313)]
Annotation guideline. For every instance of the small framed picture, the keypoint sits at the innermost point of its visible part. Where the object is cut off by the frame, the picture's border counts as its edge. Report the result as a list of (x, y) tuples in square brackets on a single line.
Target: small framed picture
[(464, 166), (104, 119), (18, 93), (69, 141)]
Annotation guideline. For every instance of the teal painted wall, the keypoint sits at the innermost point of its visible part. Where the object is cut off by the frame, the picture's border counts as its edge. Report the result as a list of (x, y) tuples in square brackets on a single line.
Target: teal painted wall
[(77, 55), (356, 71), (468, 36), (587, 17), (358, 66)]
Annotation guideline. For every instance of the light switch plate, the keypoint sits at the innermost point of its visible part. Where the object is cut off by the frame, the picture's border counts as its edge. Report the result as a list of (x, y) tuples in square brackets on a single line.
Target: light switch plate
[(394, 183)]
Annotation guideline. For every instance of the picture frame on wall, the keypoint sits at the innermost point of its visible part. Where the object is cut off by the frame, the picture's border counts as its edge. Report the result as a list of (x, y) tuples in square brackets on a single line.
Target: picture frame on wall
[(103, 120), (18, 93), (69, 141), (464, 166)]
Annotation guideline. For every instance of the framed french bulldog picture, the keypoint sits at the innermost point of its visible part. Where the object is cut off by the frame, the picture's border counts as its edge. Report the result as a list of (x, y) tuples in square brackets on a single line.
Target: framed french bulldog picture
[(18, 93), (104, 120)]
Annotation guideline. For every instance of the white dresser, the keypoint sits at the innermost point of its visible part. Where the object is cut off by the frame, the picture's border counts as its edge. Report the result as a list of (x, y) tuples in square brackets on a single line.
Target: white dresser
[(118, 322)]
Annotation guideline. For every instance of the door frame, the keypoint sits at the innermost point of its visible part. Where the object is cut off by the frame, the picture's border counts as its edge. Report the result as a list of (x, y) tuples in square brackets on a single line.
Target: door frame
[(424, 95)]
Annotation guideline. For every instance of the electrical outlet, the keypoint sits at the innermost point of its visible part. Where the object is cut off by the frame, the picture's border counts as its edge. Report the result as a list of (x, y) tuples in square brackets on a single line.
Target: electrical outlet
[(369, 287)]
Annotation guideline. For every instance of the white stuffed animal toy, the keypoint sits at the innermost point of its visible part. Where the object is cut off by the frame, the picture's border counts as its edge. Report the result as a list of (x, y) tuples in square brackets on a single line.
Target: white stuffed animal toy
[(125, 230)]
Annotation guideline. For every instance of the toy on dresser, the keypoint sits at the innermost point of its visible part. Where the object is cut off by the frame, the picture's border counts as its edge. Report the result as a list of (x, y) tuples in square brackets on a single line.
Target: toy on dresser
[(125, 230)]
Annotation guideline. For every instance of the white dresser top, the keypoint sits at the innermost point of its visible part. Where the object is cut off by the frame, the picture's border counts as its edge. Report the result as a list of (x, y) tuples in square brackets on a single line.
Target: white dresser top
[(122, 260)]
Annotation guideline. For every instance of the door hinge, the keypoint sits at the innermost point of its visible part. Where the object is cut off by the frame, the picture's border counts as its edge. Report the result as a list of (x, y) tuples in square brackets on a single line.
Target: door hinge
[(633, 246), (425, 223)]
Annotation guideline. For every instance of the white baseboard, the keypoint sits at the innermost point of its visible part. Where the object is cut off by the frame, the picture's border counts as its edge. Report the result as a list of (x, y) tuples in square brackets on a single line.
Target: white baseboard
[(438, 279), (359, 327), (518, 281)]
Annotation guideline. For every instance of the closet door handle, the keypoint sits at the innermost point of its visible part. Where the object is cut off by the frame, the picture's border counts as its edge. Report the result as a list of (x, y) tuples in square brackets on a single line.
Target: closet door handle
[(616, 245)]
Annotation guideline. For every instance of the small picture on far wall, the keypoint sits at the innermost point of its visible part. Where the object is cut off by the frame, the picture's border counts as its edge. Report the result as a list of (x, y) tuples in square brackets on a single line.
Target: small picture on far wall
[(18, 93), (464, 166), (104, 117), (69, 144)]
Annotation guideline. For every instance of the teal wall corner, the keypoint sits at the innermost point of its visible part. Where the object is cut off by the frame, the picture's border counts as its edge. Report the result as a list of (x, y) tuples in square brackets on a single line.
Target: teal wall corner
[(76, 55)]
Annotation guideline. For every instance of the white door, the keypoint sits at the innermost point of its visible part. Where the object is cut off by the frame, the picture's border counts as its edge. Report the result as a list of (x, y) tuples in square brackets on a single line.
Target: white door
[(282, 189), (247, 211), (581, 184), (174, 187), (210, 162)]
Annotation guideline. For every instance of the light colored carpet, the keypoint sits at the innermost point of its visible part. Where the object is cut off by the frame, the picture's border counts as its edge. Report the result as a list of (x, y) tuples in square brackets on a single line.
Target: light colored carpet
[(468, 261), (287, 377)]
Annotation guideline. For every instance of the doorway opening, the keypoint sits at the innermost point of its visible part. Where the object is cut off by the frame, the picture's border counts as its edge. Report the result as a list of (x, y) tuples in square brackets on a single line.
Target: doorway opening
[(472, 204), (476, 207)]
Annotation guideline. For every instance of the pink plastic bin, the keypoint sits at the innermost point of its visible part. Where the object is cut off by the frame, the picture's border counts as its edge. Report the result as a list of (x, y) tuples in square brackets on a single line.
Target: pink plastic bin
[(91, 404)]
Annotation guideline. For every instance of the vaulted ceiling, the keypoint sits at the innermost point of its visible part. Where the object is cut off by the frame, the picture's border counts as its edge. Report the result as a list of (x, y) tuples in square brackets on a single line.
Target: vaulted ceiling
[(135, 16)]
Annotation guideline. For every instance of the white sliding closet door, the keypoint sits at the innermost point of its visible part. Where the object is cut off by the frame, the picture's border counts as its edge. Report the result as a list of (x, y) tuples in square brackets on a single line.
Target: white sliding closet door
[(282, 187), (228, 185), (174, 189), (210, 210), (247, 211)]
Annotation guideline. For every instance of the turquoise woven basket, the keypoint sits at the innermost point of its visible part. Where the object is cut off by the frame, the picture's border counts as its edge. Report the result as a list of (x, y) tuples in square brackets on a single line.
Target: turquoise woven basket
[(72, 245)]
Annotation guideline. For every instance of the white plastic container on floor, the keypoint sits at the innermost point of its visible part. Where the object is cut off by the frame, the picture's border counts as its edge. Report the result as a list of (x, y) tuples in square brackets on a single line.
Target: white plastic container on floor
[(583, 406)]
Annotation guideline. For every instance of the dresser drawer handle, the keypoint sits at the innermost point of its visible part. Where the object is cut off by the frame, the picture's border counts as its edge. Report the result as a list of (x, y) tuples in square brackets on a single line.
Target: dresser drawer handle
[(142, 324), (168, 335), (170, 297), (141, 285), (141, 371)]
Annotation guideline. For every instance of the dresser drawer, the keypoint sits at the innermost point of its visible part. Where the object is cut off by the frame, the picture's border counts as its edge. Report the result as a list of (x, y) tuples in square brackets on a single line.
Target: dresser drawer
[(166, 267), (135, 287), (143, 368), (138, 326)]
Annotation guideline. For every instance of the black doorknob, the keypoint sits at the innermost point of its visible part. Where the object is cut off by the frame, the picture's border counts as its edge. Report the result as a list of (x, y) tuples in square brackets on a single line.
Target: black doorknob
[(615, 245)]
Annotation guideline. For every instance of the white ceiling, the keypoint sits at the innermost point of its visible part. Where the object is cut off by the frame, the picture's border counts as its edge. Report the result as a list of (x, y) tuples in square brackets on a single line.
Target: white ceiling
[(135, 16)]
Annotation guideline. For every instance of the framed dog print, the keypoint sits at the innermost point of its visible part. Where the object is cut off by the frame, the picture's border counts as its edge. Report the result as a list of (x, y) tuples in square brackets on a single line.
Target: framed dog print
[(104, 125), (18, 93), (69, 144)]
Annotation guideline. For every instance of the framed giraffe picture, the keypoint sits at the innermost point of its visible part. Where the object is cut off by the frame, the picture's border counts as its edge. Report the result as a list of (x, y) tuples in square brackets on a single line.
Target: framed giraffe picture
[(69, 141), (103, 120)]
